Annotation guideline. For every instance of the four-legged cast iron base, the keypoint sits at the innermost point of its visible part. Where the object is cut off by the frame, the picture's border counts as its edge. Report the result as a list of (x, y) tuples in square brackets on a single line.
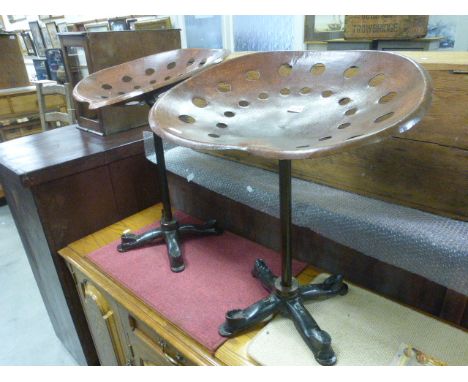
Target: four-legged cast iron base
[(288, 302), (169, 232)]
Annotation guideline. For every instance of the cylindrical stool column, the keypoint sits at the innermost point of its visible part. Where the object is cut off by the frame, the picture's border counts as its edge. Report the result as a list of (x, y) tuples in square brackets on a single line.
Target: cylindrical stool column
[(286, 225)]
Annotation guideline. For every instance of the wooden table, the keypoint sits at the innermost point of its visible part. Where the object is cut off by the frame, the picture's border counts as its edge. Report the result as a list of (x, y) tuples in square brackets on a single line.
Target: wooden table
[(64, 184), (123, 301)]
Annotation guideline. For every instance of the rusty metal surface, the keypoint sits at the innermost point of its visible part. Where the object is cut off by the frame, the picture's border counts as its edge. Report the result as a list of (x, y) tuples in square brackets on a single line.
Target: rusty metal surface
[(134, 78), (292, 105)]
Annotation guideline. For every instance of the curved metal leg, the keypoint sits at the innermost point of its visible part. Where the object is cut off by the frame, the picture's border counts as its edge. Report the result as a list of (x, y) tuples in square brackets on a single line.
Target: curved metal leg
[(264, 274), (208, 228), (132, 241), (173, 251), (332, 286), (318, 340), (239, 320)]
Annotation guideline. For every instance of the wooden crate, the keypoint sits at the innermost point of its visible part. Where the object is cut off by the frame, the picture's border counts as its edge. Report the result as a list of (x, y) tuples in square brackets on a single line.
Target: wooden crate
[(385, 27), (425, 168)]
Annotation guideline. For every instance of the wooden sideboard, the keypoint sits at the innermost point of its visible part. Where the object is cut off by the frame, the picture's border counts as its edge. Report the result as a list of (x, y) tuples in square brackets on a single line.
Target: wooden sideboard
[(127, 331), (64, 184)]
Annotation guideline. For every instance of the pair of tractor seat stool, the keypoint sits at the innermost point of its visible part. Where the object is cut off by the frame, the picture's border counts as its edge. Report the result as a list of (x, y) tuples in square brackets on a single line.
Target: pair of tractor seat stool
[(281, 105)]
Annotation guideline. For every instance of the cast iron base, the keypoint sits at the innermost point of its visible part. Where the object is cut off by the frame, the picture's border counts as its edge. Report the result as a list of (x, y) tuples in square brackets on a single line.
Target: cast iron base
[(169, 232), (288, 302)]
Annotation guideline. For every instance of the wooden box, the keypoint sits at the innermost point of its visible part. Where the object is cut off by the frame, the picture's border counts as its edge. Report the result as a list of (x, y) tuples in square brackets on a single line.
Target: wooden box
[(12, 68), (385, 27), (425, 168), (88, 52)]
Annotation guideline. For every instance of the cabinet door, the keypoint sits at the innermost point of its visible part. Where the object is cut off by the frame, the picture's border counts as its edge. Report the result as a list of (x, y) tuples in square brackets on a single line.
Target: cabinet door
[(104, 323), (149, 347)]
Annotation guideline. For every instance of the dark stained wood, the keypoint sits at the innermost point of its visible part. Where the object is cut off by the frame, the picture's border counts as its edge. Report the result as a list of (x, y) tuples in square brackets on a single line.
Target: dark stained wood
[(385, 279), (139, 187), (422, 175), (62, 185)]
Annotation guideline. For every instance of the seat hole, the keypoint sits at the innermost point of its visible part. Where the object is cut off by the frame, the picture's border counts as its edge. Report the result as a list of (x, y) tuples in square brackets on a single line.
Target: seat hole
[(387, 97), (202, 62), (384, 117), (285, 91), (121, 93), (167, 78), (171, 65), (126, 79), (354, 136), (244, 103), (190, 62), (285, 70), (344, 101), (221, 125), (344, 125), (351, 72), (318, 69), (377, 80), (302, 147), (252, 75), (229, 114), (199, 102), (104, 97), (224, 87), (326, 93), (136, 87), (149, 71), (263, 96), (325, 138), (213, 135), (152, 82), (305, 90), (186, 118), (351, 111), (106, 87)]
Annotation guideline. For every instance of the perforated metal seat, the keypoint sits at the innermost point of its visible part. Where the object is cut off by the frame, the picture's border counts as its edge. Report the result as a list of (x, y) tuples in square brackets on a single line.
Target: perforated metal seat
[(134, 79), (291, 105)]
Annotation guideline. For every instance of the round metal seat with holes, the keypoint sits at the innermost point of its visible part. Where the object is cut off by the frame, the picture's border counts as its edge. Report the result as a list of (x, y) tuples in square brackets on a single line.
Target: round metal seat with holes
[(143, 80), (292, 105), (134, 79)]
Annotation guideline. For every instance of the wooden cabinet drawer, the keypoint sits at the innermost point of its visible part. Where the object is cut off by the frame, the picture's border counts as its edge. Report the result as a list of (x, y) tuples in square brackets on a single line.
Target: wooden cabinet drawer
[(150, 348)]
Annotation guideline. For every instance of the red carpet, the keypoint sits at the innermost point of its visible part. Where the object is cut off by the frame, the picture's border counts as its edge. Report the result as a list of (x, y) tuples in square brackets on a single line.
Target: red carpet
[(216, 279)]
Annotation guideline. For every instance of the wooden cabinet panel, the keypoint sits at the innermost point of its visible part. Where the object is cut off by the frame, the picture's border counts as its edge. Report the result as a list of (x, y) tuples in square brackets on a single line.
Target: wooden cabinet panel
[(104, 322)]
